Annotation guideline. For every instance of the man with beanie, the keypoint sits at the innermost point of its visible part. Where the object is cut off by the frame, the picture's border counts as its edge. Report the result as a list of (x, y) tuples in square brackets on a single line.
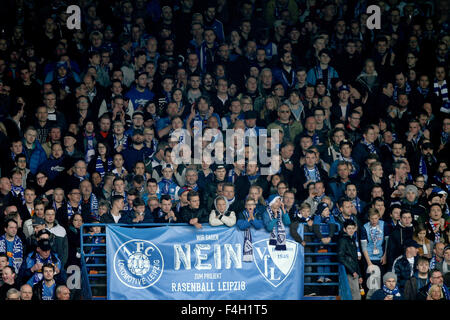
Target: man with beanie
[(411, 203), (390, 290)]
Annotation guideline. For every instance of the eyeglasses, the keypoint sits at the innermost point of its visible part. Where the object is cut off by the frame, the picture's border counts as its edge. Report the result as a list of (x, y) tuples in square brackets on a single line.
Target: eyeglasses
[(285, 111)]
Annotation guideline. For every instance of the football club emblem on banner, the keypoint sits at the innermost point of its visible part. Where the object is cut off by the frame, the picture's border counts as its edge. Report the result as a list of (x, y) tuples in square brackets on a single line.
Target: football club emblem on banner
[(274, 265), (138, 264)]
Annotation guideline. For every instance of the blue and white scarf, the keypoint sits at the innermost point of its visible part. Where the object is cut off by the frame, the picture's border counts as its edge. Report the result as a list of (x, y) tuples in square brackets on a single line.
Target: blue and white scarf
[(93, 205), (315, 176), (100, 168), (122, 142), (319, 75), (371, 146), (253, 179), (15, 257), (395, 292), (90, 148), (442, 91), (248, 241), (166, 185), (436, 230), (357, 203), (70, 211), (278, 238), (38, 275), (18, 191), (117, 173), (315, 139)]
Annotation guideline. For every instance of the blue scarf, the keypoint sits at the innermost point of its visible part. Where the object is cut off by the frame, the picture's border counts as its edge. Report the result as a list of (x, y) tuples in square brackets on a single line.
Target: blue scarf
[(371, 146), (278, 238), (316, 174), (252, 179), (123, 141), (165, 187), (90, 149), (357, 203), (248, 241), (38, 275), (93, 205), (395, 292), (16, 256), (100, 168), (18, 192), (117, 172), (70, 211), (319, 75), (423, 92)]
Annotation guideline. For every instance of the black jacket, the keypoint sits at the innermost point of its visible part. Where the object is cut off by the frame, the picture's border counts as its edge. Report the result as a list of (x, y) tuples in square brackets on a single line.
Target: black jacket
[(348, 254), (395, 243), (37, 290), (243, 186), (187, 214), (403, 270)]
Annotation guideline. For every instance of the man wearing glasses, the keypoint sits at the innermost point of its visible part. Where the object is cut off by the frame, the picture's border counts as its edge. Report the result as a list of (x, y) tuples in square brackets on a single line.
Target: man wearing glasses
[(290, 128)]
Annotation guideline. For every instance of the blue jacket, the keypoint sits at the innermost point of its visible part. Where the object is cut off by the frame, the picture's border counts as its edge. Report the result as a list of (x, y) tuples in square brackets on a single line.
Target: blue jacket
[(270, 223), (313, 75), (52, 167), (38, 156), (131, 156)]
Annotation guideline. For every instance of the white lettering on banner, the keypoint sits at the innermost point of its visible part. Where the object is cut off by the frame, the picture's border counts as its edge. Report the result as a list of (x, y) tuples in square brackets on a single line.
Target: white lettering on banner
[(181, 256), (208, 286), (74, 20), (233, 255), (199, 257)]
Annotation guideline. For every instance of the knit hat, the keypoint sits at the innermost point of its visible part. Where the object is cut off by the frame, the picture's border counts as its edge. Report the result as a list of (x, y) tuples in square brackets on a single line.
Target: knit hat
[(320, 207), (389, 275), (272, 198), (412, 188)]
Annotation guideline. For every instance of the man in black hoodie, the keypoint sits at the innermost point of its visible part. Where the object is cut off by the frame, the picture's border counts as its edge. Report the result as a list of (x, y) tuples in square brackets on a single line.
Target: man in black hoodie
[(192, 213), (402, 232)]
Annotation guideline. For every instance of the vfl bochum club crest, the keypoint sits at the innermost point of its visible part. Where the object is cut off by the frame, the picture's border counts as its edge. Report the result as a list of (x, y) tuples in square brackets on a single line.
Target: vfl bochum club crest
[(138, 264), (275, 266)]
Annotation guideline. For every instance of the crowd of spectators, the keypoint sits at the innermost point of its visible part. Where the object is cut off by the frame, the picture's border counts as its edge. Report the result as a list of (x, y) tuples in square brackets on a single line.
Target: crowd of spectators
[(90, 120)]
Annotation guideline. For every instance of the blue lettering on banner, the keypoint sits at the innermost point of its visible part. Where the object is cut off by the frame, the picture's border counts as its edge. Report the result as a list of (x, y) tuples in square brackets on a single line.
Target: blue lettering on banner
[(184, 263)]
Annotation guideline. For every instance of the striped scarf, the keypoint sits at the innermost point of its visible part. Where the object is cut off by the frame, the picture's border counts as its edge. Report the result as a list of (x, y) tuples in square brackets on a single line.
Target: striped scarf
[(437, 232), (90, 148), (278, 238), (122, 142), (16, 256), (99, 167), (18, 191), (315, 176), (70, 211), (395, 292), (38, 275), (442, 90), (248, 241), (93, 206), (116, 172)]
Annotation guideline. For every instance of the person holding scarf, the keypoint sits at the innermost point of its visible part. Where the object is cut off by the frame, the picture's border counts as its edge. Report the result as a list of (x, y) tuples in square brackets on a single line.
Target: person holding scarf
[(37, 259), (390, 290), (102, 161), (248, 218), (222, 215), (17, 190), (11, 245), (436, 224), (275, 221), (309, 172), (324, 228), (89, 141)]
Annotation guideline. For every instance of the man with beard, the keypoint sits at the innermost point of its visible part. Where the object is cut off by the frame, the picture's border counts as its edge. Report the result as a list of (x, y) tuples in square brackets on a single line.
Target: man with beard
[(286, 73), (136, 152)]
